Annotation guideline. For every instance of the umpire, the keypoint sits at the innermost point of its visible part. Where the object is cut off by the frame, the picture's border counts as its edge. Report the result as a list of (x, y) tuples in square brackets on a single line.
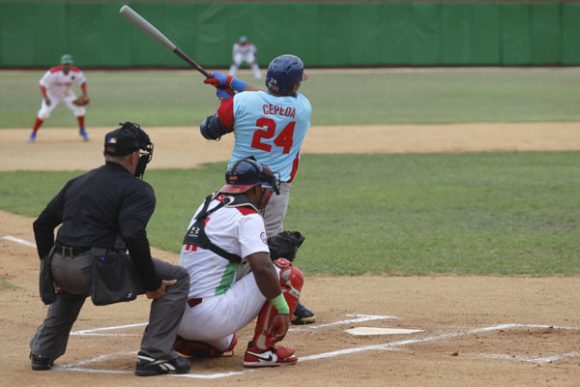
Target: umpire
[(103, 213)]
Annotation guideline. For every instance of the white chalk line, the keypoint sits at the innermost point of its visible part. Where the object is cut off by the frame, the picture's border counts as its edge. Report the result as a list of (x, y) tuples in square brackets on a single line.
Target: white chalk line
[(392, 346), (358, 318), (94, 331), (532, 359), (400, 343), (19, 241)]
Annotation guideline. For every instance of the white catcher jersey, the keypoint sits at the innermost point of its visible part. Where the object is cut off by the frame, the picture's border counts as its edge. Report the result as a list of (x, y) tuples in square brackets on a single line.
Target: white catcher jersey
[(59, 84), (238, 230), (271, 128)]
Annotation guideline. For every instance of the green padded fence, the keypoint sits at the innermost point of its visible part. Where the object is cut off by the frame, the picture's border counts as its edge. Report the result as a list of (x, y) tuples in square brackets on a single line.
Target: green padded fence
[(36, 33)]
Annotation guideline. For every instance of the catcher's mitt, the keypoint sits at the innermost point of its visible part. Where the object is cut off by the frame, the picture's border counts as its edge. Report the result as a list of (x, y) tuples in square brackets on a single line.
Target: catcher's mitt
[(285, 244), (82, 101)]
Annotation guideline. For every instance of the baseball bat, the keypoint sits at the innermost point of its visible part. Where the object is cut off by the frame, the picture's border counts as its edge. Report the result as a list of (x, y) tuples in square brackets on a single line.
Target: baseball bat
[(141, 23)]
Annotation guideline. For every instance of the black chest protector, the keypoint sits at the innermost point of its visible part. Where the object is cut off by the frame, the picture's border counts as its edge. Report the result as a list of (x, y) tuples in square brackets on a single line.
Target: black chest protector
[(196, 234)]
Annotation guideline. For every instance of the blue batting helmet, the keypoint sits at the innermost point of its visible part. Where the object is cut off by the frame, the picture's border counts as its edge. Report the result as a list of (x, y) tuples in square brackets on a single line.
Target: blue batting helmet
[(284, 72)]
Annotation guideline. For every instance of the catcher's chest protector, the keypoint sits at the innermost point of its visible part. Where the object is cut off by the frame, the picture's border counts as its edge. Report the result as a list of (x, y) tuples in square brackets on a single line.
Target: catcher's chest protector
[(196, 235)]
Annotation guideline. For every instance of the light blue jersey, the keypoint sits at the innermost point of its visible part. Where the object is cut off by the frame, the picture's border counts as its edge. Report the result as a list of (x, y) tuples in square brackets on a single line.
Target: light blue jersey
[(272, 129)]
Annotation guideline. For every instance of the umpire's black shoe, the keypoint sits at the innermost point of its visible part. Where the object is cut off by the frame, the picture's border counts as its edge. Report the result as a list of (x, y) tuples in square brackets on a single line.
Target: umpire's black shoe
[(40, 363), (302, 316), (148, 366)]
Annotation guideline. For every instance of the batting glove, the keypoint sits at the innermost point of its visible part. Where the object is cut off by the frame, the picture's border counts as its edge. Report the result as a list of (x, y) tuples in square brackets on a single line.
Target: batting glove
[(220, 80)]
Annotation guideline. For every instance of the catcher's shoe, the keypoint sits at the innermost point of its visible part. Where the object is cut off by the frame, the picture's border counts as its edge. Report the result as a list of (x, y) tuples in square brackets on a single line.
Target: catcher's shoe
[(40, 363), (148, 366), (302, 316), (272, 357), (32, 137), (84, 134)]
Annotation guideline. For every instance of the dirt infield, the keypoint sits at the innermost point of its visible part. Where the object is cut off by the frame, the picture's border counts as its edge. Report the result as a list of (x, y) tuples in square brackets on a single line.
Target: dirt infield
[(476, 331)]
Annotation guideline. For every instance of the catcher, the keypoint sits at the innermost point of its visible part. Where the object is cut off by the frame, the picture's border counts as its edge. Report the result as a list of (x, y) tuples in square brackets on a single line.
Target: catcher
[(226, 234), (56, 88)]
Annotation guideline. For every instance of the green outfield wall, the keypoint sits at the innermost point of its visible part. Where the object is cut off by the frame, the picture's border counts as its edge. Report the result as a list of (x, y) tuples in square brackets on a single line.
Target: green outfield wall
[(36, 33)]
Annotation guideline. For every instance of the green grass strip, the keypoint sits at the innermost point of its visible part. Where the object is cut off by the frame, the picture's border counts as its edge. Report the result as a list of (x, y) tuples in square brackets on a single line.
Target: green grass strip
[(339, 97), (411, 214)]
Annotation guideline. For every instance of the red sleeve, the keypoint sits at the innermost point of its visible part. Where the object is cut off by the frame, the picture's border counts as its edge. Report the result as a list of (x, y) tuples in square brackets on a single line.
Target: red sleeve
[(84, 88), (43, 91), (226, 113)]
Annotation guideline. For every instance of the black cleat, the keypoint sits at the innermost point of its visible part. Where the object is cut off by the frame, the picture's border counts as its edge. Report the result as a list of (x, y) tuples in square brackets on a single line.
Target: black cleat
[(40, 363), (302, 316), (148, 366)]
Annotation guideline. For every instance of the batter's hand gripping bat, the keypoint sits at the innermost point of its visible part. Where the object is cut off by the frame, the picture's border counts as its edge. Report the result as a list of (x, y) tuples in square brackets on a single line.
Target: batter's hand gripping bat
[(150, 30)]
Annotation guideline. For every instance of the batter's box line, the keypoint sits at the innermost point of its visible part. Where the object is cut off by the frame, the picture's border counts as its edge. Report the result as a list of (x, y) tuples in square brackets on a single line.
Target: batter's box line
[(392, 346), (357, 318), (532, 359)]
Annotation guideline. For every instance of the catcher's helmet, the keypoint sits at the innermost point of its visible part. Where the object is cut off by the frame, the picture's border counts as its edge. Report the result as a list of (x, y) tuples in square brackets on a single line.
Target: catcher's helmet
[(246, 173), (284, 72)]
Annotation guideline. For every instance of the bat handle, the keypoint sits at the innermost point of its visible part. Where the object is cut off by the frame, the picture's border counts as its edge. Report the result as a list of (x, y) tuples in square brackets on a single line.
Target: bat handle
[(186, 58)]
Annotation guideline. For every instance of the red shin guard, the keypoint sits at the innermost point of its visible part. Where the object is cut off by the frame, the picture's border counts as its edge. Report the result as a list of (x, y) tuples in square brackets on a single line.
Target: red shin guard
[(291, 281)]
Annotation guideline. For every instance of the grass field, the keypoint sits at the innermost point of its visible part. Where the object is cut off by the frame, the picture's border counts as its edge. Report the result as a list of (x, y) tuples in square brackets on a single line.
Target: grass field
[(168, 98), (485, 213)]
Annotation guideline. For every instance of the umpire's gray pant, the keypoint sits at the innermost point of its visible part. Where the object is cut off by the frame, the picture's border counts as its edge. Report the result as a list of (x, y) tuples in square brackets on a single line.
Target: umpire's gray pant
[(73, 274)]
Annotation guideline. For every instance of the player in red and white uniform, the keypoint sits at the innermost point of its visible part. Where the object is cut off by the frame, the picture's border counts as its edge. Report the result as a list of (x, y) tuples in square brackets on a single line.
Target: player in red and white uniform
[(244, 52), (56, 88), (226, 234)]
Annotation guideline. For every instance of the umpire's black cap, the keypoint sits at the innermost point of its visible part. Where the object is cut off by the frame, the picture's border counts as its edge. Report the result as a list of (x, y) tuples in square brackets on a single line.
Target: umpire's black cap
[(126, 140)]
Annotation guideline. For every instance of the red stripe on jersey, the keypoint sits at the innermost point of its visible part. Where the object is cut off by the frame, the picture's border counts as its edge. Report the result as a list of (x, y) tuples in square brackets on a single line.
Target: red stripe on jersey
[(246, 210), (226, 113), (294, 167), (56, 69), (190, 247)]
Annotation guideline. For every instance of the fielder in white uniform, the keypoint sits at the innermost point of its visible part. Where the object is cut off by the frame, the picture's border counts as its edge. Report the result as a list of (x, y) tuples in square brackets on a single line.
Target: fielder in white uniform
[(227, 233), (56, 87), (244, 52)]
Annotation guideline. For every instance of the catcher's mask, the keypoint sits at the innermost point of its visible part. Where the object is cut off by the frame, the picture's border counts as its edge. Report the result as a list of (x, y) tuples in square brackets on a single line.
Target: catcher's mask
[(126, 140), (247, 173)]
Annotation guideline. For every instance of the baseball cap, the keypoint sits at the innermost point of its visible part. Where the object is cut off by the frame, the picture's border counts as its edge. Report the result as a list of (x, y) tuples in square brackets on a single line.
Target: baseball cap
[(126, 140), (66, 59)]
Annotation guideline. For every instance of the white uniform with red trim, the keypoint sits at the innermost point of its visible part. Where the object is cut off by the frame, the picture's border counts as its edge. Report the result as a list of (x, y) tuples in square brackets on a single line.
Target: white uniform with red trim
[(228, 303), (58, 87), (272, 129), (244, 52)]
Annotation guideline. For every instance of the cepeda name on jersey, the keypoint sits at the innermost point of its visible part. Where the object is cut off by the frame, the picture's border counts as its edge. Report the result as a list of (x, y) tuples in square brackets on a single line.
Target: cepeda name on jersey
[(287, 111)]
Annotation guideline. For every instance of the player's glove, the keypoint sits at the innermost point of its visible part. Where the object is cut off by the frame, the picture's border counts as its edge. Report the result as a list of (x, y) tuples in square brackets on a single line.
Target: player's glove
[(83, 100), (285, 244), (220, 80)]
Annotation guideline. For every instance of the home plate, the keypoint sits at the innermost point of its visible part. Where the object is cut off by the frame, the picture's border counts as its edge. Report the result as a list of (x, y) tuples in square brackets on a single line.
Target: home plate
[(367, 331)]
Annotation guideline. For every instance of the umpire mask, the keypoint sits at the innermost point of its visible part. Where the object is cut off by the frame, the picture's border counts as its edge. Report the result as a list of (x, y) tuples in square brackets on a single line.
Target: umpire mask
[(128, 139), (145, 156)]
